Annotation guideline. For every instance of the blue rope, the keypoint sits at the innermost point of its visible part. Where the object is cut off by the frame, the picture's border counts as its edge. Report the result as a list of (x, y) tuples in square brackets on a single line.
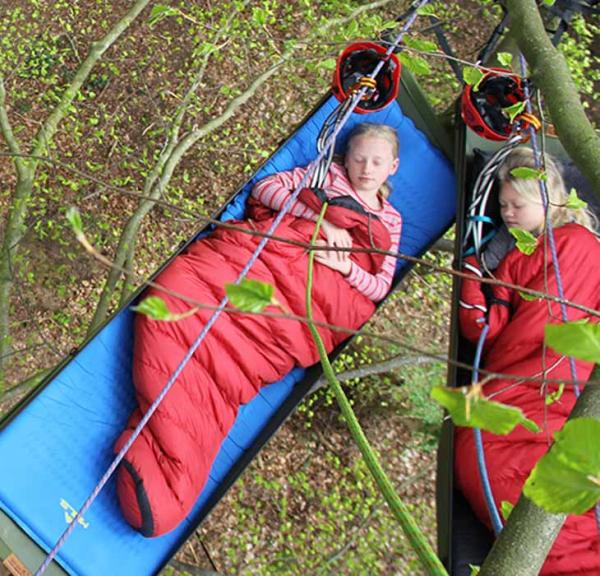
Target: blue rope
[(549, 229), (550, 234), (356, 97), (481, 465), (483, 242), (480, 218)]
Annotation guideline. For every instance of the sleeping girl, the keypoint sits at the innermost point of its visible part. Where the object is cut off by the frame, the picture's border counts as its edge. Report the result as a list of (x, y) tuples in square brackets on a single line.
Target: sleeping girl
[(167, 466), (515, 346)]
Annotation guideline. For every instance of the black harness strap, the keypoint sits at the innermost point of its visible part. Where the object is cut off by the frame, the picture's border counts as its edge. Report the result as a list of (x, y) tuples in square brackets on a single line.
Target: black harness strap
[(493, 40), (493, 300)]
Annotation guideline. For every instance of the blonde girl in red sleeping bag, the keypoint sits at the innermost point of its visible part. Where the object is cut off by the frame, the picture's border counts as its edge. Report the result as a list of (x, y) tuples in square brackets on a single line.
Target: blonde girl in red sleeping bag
[(515, 346)]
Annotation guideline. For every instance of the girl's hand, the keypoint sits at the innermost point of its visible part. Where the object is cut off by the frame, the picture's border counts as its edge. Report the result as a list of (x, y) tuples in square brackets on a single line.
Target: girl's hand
[(337, 238), (339, 261)]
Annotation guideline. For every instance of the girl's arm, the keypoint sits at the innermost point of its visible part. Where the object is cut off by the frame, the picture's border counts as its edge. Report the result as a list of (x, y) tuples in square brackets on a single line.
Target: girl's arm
[(273, 191), (475, 310), (376, 286)]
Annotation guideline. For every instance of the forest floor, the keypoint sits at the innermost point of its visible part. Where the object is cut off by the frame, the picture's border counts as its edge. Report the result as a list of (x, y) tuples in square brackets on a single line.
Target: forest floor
[(306, 504)]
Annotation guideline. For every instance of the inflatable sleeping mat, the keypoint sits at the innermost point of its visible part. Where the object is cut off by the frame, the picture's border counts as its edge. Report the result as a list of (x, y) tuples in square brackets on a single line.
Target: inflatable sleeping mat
[(57, 445)]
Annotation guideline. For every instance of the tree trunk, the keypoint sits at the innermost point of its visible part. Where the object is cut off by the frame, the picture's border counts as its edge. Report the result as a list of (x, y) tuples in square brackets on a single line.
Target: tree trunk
[(530, 532), (13, 234), (551, 75)]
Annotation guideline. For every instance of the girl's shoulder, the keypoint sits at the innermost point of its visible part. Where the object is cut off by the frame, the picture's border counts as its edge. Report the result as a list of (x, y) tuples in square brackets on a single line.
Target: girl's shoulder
[(573, 233)]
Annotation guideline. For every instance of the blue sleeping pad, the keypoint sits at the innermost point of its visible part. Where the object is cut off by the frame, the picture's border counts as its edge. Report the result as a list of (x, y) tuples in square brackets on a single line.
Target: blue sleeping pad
[(54, 451)]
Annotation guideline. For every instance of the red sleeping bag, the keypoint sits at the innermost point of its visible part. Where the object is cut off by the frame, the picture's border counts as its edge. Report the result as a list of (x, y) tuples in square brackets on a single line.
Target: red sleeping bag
[(166, 468), (515, 346)]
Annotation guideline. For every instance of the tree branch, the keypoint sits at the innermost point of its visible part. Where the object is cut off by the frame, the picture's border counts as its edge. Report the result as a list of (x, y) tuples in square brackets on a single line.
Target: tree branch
[(381, 368), (45, 134), (19, 202), (6, 128)]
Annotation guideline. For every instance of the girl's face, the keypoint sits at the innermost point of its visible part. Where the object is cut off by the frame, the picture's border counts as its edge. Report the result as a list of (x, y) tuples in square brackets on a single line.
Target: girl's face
[(519, 212), (370, 161)]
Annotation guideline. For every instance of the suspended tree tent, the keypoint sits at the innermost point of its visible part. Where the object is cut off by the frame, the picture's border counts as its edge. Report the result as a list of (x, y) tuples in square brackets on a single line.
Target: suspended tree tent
[(462, 538), (58, 442)]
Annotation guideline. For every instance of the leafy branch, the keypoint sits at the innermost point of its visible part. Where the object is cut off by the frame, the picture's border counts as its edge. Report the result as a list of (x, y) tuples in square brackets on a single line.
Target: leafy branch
[(176, 147), (20, 200)]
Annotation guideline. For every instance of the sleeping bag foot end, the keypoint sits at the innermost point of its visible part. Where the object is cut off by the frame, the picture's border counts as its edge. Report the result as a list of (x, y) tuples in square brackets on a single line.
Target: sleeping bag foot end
[(130, 488)]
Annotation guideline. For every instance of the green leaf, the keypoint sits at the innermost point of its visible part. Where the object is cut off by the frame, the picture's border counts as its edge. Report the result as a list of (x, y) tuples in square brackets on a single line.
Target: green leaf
[(567, 479), (485, 414), (351, 30), (250, 295), (514, 110), (390, 24), (260, 16), (473, 76), (205, 48), (154, 307), (574, 202), (556, 395), (505, 58), (422, 45), (415, 64), (74, 218), (427, 10), (506, 508), (526, 241), (328, 64), (526, 173), (549, 2), (474, 569), (575, 339), (159, 12), (527, 297)]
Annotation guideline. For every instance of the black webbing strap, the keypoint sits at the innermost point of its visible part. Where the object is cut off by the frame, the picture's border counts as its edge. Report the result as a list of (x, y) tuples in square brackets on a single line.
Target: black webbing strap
[(445, 46), (436, 27), (493, 40), (499, 301)]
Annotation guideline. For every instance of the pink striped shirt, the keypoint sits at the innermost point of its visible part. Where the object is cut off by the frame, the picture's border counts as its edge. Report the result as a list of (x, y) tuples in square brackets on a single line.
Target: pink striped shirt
[(274, 190)]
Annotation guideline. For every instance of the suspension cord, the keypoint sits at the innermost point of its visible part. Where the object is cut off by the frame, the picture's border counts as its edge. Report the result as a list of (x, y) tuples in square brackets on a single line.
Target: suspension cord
[(481, 464), (549, 227)]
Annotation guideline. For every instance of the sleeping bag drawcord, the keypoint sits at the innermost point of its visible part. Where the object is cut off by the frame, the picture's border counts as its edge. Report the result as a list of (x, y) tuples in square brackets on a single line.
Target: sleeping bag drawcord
[(481, 465), (549, 229), (347, 111)]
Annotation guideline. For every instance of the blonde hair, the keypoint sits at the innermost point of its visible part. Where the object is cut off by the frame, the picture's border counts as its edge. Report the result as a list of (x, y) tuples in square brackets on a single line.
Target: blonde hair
[(382, 131), (529, 189)]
